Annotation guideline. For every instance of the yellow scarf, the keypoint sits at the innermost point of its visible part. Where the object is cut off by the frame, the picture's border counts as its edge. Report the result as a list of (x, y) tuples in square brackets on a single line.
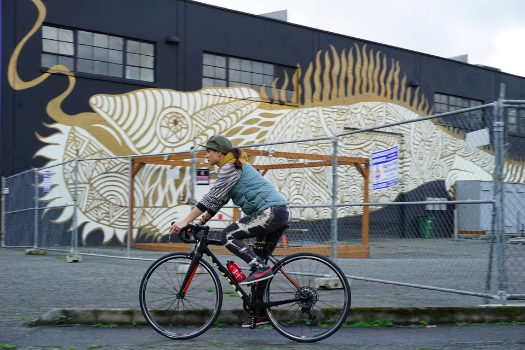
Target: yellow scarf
[(230, 158)]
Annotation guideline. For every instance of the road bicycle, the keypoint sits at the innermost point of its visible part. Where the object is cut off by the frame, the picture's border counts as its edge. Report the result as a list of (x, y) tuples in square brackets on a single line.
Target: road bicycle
[(181, 294)]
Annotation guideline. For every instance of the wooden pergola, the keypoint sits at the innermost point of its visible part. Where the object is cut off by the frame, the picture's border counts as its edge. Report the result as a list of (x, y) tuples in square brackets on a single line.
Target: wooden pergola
[(308, 160)]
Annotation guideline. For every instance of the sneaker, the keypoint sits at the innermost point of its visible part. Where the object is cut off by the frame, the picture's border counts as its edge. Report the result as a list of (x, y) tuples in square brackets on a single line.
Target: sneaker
[(254, 322), (260, 274)]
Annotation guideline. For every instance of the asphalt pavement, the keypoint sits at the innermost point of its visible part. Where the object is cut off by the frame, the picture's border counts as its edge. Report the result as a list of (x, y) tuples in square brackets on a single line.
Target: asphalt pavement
[(32, 285), (135, 338)]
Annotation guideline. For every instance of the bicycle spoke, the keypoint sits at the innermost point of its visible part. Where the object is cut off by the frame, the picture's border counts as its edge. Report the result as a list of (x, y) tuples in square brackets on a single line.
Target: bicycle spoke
[(299, 321), (173, 315)]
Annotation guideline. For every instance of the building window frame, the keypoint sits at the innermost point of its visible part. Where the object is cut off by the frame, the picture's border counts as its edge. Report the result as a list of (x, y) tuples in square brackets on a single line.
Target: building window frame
[(102, 55), (469, 121), (229, 71), (516, 121)]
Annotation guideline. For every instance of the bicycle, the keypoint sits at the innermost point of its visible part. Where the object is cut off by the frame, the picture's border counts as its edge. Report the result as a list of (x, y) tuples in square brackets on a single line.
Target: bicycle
[(181, 294)]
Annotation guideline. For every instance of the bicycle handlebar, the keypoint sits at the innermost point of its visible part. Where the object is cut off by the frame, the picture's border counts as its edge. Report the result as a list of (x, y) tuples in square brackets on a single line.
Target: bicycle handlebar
[(190, 238)]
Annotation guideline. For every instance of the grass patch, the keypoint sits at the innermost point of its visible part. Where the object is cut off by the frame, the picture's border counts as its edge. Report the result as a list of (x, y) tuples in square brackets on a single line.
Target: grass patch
[(379, 323), (94, 346), (373, 324), (513, 323), (218, 326), (101, 325), (211, 290), (228, 292), (8, 346), (62, 319)]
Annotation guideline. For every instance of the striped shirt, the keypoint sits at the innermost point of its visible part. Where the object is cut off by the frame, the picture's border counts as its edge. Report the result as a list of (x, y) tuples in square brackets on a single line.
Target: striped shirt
[(217, 196)]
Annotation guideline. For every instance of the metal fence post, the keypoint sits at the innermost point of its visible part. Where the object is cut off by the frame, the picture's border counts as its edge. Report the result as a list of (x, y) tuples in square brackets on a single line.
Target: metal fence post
[(3, 212), (74, 237), (130, 217), (491, 252), (193, 172), (499, 180), (333, 225), (35, 242)]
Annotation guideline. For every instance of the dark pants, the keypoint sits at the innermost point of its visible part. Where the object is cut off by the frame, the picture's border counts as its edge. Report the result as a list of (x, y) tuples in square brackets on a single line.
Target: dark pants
[(259, 225)]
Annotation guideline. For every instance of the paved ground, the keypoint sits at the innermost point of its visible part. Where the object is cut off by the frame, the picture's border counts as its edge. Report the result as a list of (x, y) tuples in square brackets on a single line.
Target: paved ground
[(31, 285), (135, 338), (34, 284)]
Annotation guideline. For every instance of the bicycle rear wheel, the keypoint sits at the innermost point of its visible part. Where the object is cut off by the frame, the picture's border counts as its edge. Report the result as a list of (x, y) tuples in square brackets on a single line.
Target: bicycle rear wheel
[(321, 312), (180, 318)]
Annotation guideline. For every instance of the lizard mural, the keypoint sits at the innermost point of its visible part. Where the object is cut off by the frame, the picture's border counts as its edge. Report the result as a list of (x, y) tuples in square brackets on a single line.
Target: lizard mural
[(355, 88)]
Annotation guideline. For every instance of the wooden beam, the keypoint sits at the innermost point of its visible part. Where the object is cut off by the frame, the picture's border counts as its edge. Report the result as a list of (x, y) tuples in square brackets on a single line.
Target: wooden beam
[(366, 209), (251, 153), (179, 156), (297, 165), (132, 200), (167, 162), (307, 156), (137, 168), (360, 169), (343, 251)]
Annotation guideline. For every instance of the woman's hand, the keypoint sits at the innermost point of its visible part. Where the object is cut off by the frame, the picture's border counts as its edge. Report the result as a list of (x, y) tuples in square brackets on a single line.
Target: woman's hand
[(176, 227)]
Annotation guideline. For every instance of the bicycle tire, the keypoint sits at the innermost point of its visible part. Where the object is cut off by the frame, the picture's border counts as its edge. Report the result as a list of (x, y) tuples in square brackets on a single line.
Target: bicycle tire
[(294, 320), (180, 318)]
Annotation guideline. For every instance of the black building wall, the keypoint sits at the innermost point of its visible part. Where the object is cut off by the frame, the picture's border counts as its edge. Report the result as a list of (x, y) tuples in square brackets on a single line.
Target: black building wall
[(200, 28)]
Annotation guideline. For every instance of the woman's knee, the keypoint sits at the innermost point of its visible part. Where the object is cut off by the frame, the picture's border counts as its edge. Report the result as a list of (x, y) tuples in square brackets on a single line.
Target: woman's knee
[(224, 238)]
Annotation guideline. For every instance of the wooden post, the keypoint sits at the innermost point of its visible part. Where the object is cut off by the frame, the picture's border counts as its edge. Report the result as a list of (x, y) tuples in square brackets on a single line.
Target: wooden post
[(132, 201), (366, 209), (236, 214)]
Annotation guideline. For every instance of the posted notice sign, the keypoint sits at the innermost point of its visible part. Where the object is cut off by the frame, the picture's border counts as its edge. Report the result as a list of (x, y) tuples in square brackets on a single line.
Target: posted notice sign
[(203, 176), (385, 168)]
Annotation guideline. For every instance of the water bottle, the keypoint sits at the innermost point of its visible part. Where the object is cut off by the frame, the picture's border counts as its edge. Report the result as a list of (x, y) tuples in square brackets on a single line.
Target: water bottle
[(235, 271)]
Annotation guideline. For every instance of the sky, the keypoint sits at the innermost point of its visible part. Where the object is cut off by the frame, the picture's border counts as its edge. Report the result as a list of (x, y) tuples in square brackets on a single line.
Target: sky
[(491, 32)]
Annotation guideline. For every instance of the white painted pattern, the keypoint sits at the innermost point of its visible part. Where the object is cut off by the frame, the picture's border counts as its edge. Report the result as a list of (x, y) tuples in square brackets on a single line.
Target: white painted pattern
[(141, 118)]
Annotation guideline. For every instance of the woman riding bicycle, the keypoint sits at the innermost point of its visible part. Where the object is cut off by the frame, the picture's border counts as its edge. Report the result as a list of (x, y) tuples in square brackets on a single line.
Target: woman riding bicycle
[(266, 210)]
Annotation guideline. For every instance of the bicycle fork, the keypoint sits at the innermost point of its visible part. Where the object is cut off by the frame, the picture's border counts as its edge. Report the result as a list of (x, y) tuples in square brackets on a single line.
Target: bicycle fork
[(192, 269)]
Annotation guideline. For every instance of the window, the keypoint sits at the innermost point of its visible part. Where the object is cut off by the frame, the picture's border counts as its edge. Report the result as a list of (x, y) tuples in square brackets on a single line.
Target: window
[(222, 71), (57, 47), (516, 120), (448, 103), (98, 54), (139, 61)]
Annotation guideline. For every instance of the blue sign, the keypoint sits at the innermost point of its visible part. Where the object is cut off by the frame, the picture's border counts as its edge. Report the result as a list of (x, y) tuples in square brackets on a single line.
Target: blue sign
[(385, 168)]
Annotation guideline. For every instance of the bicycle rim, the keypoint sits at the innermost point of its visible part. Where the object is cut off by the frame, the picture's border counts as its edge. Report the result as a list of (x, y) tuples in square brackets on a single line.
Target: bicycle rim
[(322, 311), (180, 318)]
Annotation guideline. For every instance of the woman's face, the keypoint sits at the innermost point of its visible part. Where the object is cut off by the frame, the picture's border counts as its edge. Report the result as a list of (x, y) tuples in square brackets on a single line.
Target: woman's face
[(213, 157)]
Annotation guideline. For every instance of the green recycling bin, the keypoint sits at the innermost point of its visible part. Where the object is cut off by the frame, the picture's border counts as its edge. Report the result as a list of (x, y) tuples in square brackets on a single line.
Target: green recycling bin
[(426, 224)]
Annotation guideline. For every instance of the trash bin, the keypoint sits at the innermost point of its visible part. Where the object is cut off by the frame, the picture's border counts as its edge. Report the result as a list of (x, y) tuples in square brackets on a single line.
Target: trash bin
[(426, 224)]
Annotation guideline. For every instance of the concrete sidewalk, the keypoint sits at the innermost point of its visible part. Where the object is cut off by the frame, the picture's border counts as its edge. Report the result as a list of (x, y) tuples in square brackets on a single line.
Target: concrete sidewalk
[(105, 290)]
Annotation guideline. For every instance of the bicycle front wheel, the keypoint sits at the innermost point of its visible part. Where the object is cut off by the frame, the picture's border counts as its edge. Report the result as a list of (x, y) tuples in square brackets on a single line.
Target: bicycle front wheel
[(170, 315), (324, 292)]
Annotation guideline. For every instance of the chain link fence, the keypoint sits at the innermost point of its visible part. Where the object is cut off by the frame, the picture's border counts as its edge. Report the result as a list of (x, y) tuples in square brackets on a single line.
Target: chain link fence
[(435, 202), (512, 243)]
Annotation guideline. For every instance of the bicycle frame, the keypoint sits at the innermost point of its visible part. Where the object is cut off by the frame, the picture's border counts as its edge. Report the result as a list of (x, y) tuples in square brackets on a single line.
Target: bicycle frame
[(202, 248)]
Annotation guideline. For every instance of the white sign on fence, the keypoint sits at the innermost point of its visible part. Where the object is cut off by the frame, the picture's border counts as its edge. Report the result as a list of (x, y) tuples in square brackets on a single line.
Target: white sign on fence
[(47, 180), (385, 168)]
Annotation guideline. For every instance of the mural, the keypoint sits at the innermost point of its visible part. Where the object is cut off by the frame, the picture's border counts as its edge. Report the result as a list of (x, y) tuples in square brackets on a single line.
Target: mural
[(354, 88)]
